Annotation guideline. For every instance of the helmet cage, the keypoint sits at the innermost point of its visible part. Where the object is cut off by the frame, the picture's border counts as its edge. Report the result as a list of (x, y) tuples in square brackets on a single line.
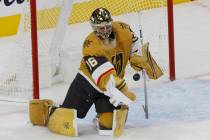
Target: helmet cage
[(102, 30), (101, 22)]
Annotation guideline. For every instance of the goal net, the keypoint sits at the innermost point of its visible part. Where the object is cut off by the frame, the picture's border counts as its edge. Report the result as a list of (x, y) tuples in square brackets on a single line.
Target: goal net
[(62, 26)]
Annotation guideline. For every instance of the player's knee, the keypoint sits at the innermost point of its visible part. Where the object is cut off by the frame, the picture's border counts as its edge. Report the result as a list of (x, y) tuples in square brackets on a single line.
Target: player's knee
[(81, 114)]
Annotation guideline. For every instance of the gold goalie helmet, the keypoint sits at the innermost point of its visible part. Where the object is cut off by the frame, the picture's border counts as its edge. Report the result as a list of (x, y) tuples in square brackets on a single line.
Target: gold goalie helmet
[(101, 22)]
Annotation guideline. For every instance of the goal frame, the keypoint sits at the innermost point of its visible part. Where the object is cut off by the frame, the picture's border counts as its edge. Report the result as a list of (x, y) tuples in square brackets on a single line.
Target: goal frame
[(34, 38)]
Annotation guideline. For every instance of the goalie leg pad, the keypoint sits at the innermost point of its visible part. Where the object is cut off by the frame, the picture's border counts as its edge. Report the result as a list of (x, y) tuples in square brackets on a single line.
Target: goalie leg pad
[(39, 111), (63, 121), (120, 116)]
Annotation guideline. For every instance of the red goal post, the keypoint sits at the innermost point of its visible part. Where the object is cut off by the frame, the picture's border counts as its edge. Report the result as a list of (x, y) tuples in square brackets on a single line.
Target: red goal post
[(171, 40), (34, 44)]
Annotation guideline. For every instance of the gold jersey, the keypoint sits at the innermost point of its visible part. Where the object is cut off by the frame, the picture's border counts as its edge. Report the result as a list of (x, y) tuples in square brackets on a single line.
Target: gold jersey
[(100, 60)]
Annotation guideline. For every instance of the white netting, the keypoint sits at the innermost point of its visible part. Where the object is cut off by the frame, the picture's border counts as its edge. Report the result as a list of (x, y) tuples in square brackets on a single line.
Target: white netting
[(62, 54), (16, 73)]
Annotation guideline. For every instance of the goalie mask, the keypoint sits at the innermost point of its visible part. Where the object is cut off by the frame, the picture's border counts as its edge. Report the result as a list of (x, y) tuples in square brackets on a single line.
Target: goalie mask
[(101, 22)]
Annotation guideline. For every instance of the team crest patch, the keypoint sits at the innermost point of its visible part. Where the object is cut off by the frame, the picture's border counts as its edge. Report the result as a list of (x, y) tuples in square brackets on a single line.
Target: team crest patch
[(117, 61)]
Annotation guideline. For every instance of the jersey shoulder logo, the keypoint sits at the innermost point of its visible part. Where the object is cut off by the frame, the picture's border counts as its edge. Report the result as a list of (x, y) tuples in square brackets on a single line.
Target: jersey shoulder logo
[(123, 25), (87, 43)]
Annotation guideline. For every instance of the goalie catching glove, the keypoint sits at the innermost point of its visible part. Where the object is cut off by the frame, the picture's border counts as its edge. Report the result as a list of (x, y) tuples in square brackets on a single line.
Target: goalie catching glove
[(146, 62), (118, 97)]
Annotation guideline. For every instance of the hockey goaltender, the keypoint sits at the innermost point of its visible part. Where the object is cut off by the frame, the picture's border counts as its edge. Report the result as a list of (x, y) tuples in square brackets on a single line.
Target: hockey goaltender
[(106, 52)]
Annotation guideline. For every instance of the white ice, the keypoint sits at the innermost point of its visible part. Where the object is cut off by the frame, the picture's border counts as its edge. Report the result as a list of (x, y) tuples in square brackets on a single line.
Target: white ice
[(178, 110)]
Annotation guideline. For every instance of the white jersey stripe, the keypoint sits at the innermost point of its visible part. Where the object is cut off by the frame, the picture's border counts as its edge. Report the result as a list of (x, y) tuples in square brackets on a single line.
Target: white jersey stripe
[(101, 70), (99, 90)]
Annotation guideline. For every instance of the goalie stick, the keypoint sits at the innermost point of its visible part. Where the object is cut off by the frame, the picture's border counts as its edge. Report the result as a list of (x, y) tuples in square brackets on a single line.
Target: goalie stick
[(145, 106)]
